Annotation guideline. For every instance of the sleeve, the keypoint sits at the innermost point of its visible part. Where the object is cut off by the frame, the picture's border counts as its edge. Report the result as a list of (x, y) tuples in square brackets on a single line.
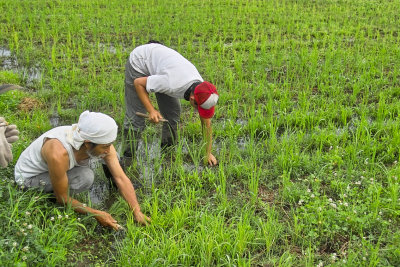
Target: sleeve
[(158, 84)]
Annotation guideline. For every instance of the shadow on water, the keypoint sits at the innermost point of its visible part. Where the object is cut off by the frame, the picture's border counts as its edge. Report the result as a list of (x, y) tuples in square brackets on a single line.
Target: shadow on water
[(8, 61)]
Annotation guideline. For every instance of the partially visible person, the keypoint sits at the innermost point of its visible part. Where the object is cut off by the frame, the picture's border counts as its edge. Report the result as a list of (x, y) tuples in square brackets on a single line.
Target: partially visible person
[(155, 68), (58, 162), (8, 135)]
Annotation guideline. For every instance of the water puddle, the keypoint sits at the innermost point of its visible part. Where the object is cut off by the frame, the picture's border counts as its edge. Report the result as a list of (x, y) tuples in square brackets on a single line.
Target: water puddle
[(8, 61), (55, 120), (100, 192), (149, 159), (4, 52), (110, 48)]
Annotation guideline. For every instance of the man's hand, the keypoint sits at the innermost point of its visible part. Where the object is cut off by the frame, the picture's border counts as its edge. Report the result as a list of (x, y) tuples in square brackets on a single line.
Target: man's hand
[(11, 133), (212, 161), (141, 218), (105, 219), (155, 116), (5, 149)]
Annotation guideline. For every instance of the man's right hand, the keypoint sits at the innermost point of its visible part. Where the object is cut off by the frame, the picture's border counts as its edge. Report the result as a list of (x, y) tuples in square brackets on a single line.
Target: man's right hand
[(141, 218), (5, 149), (105, 219), (155, 116)]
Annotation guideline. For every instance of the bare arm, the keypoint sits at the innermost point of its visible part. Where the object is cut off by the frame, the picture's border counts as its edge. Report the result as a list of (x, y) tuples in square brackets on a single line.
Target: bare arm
[(140, 85), (57, 159), (207, 132), (124, 185)]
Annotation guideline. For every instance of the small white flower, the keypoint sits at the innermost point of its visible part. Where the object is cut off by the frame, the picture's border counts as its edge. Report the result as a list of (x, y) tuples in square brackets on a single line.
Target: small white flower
[(79, 219), (30, 226), (24, 258), (66, 216), (333, 205), (59, 216), (333, 256), (22, 230), (27, 213), (312, 195), (308, 190), (25, 234), (330, 200), (37, 197), (344, 195), (364, 258), (380, 213), (301, 202), (320, 264), (346, 204), (358, 182), (395, 162), (319, 208), (26, 248), (25, 224), (52, 219), (15, 244)]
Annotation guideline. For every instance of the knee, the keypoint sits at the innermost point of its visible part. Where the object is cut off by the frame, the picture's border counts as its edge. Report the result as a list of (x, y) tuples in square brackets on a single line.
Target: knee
[(87, 178), (82, 180)]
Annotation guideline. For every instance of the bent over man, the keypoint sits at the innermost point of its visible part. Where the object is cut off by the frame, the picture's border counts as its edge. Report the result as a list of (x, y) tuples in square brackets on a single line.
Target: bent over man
[(155, 68), (58, 162)]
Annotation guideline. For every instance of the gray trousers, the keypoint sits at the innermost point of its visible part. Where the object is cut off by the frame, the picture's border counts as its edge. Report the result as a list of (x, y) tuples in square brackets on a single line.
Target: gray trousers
[(79, 179), (170, 107)]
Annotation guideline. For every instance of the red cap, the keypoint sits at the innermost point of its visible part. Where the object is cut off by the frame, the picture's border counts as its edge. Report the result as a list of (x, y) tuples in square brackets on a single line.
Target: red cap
[(206, 97)]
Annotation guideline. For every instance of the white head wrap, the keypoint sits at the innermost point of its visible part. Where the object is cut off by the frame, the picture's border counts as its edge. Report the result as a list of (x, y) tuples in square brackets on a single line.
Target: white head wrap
[(95, 127)]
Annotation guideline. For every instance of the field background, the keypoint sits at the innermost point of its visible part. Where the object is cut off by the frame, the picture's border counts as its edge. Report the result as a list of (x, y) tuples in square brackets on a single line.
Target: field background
[(306, 132)]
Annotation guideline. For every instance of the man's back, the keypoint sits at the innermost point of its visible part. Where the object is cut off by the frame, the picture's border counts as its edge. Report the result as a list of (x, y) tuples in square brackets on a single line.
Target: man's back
[(168, 71)]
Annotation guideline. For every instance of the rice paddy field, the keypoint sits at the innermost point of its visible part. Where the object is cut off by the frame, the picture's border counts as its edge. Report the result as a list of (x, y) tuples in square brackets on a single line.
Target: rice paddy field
[(306, 132)]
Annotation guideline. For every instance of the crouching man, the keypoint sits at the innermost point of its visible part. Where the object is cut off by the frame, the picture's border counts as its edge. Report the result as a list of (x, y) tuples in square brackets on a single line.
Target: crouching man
[(58, 162)]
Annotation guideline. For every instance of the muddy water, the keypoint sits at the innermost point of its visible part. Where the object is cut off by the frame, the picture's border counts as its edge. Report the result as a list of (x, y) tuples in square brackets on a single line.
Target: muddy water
[(4, 52), (8, 61)]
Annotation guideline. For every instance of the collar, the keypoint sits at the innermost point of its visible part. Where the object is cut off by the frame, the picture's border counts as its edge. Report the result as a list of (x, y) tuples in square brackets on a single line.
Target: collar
[(190, 90)]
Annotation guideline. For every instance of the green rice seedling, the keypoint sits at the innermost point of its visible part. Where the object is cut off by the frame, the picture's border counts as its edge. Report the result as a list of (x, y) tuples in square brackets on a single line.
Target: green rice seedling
[(271, 230), (254, 180)]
